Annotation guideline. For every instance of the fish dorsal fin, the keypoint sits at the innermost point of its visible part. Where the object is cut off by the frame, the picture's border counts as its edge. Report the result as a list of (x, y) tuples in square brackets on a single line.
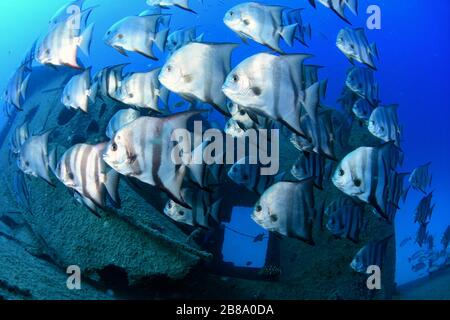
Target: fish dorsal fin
[(311, 100)]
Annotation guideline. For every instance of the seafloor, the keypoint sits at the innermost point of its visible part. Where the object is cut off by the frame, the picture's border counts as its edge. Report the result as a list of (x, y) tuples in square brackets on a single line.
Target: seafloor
[(137, 252)]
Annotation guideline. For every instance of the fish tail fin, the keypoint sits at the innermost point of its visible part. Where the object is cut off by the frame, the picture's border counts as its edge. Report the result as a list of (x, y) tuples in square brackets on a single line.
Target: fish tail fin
[(313, 3), (112, 187), (165, 20), (86, 40), (52, 162), (288, 33), (161, 39), (200, 38), (184, 4)]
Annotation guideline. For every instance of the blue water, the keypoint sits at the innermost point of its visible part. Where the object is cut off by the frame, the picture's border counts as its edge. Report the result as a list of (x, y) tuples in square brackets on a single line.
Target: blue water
[(413, 71)]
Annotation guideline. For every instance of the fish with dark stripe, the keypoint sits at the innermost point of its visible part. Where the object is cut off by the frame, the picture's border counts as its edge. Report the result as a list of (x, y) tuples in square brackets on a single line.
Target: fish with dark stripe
[(345, 218), (361, 81), (82, 169), (354, 45), (420, 178), (368, 174), (287, 208), (424, 210), (247, 172), (422, 234), (384, 124), (373, 254), (144, 148), (107, 82), (310, 165)]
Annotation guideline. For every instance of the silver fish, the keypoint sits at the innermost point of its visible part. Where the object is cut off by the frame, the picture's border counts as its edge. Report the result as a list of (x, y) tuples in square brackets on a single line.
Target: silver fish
[(33, 157), (368, 174), (345, 219), (309, 165), (77, 92), (362, 109), (143, 150), (269, 85), (204, 212), (247, 172), (120, 120), (143, 90), (82, 170), (183, 4), (197, 71), (420, 178), (383, 124), (287, 208), (60, 46), (303, 31), (354, 44), (261, 23), (107, 82), (16, 88), (373, 253), (339, 6), (137, 34), (362, 82), (182, 37)]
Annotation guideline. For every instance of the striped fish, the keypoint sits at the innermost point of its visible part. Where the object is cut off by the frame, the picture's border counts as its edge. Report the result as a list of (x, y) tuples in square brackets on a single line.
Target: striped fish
[(247, 172), (77, 92), (33, 157), (269, 85), (445, 240), (182, 37), (261, 23), (361, 81), (120, 120), (345, 219), (339, 6), (197, 71), (18, 138), (107, 82), (368, 174), (355, 46), (373, 254), (82, 170), (183, 4), (287, 208), (430, 242), (347, 100), (143, 90), (362, 109), (137, 34), (60, 46), (422, 234), (310, 165), (204, 213), (383, 124), (424, 210), (246, 120), (143, 150), (420, 178)]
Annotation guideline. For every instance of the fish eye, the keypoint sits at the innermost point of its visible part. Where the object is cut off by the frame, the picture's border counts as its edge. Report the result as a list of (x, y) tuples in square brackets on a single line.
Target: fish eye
[(357, 182), (382, 128), (114, 147), (120, 36), (341, 172), (68, 97), (274, 218), (231, 13), (181, 213), (352, 46), (169, 68), (242, 112), (47, 52), (235, 78), (258, 208), (27, 163)]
